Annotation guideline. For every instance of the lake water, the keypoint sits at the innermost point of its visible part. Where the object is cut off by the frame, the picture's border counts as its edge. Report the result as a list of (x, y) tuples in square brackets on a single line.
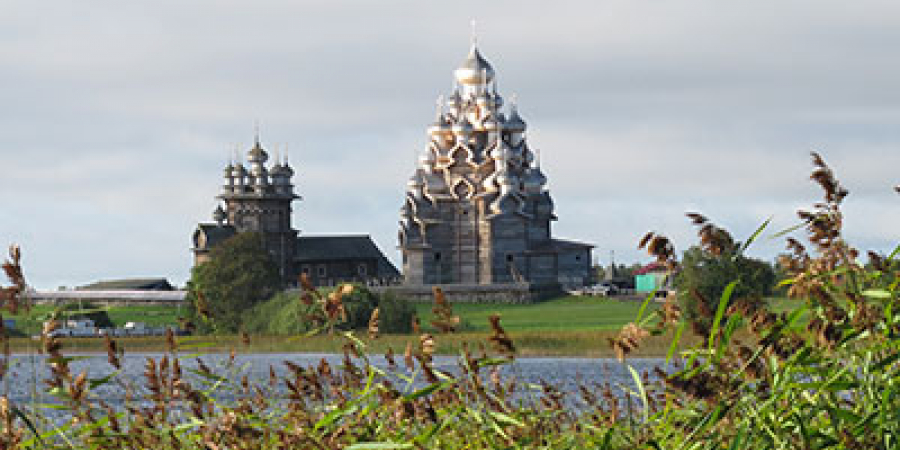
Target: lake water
[(24, 383)]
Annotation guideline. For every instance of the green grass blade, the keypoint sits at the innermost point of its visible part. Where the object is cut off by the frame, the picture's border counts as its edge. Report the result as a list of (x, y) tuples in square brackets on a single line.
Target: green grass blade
[(720, 312), (754, 236), (641, 391), (673, 347)]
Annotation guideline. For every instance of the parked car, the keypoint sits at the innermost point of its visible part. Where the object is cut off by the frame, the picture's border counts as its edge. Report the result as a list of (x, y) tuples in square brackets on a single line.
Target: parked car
[(597, 290)]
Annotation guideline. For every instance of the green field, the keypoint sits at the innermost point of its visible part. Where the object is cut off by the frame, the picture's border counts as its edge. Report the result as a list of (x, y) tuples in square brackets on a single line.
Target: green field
[(29, 321), (566, 326), (565, 313)]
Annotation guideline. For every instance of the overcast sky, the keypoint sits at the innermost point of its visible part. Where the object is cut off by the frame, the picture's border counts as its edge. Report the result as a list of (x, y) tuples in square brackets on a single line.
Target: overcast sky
[(116, 118)]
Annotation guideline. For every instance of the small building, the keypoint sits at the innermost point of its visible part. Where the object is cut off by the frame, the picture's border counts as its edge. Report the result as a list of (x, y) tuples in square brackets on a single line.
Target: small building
[(328, 260), (129, 284), (652, 277)]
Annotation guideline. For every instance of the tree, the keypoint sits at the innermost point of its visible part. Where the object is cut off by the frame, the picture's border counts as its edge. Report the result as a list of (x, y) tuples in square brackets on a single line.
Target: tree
[(704, 276), (239, 274)]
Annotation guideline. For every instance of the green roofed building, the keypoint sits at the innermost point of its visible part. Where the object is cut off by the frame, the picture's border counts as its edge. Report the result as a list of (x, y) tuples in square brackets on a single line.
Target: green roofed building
[(651, 277)]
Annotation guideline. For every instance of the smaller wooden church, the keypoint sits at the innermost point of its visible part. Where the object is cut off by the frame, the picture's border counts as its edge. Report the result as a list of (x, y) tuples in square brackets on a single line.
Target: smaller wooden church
[(258, 198)]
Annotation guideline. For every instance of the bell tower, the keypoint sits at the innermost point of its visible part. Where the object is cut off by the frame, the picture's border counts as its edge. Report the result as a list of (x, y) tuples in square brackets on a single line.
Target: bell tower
[(258, 198)]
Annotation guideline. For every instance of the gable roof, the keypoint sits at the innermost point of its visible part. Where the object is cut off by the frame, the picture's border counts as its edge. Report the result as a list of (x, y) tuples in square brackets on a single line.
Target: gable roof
[(215, 233), (654, 267), (129, 284), (345, 247)]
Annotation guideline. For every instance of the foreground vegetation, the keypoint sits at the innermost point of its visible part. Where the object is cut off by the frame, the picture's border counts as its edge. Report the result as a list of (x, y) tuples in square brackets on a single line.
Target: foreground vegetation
[(755, 378)]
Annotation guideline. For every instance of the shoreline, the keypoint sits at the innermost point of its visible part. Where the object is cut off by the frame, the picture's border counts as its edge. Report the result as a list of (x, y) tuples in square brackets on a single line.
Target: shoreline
[(536, 344)]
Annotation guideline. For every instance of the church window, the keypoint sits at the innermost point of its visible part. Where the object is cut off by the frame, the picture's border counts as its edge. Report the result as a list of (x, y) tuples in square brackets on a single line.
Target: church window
[(305, 270), (322, 271), (362, 270), (509, 258), (437, 256)]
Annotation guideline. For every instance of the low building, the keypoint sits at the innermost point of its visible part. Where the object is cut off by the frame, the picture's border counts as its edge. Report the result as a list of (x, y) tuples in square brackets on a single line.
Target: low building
[(129, 284), (173, 298), (328, 260), (652, 277)]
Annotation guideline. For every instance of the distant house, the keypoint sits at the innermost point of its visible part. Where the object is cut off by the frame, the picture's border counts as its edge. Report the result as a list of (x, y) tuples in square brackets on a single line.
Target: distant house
[(122, 292), (129, 284), (328, 260), (652, 277)]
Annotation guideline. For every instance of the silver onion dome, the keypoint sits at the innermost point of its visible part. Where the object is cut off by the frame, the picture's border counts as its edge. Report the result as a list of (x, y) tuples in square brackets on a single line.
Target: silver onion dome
[(534, 180), (238, 170), (440, 125), (475, 69), (276, 171), (515, 122), (454, 100), (257, 154)]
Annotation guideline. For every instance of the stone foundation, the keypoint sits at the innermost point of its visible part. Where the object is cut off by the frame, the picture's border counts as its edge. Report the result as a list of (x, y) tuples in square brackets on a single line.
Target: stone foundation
[(475, 293)]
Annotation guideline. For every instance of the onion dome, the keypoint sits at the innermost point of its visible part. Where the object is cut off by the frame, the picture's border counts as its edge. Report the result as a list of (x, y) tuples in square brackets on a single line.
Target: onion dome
[(463, 127), (427, 159), (534, 180), (287, 170), (454, 100), (498, 100), (219, 215), (515, 122), (415, 183), (238, 171), (475, 69), (257, 154), (527, 156), (440, 125), (277, 173)]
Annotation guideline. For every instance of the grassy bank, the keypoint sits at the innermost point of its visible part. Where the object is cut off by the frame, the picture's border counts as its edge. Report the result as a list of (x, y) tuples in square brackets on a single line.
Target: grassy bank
[(568, 313), (567, 326), (579, 343)]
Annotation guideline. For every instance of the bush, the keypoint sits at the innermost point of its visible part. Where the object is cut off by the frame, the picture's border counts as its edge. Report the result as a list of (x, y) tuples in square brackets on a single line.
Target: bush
[(395, 314), (285, 314)]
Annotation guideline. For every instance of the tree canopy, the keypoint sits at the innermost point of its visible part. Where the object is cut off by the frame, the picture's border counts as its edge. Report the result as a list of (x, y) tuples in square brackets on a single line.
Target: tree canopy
[(704, 275), (238, 275)]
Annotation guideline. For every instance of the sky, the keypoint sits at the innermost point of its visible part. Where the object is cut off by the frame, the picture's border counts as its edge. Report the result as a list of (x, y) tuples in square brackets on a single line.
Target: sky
[(117, 118)]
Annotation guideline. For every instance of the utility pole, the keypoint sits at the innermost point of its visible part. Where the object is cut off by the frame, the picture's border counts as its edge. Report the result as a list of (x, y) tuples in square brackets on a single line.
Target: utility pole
[(611, 274)]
